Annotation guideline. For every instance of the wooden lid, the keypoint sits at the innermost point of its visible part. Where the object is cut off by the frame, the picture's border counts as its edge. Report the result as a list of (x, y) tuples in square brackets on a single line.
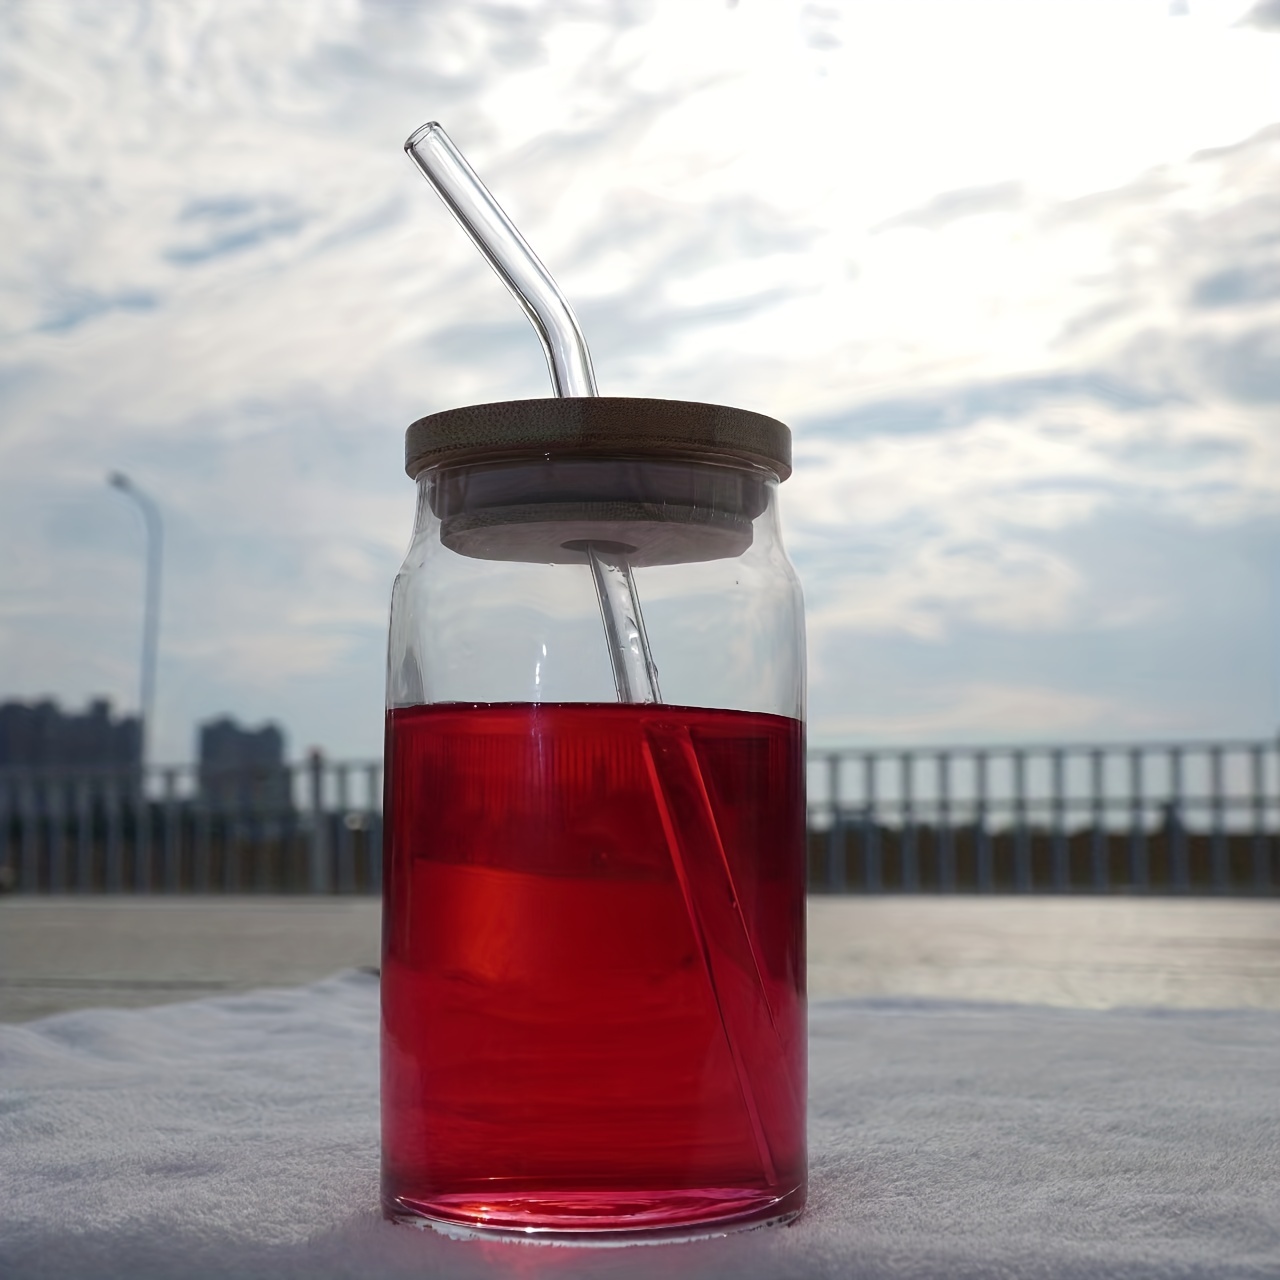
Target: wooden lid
[(599, 426)]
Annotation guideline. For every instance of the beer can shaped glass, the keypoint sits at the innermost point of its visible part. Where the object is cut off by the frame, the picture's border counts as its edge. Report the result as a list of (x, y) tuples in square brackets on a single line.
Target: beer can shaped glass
[(593, 977)]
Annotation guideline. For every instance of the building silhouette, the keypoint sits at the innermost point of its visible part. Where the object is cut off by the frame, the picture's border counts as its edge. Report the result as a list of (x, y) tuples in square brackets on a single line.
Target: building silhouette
[(40, 735), (243, 770)]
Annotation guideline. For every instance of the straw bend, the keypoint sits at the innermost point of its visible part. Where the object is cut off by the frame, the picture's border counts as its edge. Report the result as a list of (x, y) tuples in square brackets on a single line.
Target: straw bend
[(508, 253)]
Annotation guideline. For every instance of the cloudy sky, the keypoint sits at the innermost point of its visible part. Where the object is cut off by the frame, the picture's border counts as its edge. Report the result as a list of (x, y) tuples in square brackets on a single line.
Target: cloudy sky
[(1011, 272)]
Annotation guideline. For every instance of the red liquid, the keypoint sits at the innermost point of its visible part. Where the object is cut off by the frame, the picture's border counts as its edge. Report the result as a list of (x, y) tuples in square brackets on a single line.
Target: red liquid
[(593, 967)]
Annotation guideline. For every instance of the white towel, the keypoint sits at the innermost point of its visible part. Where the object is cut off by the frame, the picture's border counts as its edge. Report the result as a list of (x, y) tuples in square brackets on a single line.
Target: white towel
[(238, 1137)]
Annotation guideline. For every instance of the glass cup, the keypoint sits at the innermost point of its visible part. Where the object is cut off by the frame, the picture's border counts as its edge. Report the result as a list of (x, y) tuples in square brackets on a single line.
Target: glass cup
[(593, 985)]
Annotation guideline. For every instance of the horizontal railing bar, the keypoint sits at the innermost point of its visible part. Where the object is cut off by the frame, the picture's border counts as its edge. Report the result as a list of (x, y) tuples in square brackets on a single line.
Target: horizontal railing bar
[(818, 750)]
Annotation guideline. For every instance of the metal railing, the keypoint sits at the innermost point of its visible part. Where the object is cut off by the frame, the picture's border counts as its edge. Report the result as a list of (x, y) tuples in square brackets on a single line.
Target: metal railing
[(1179, 818), (314, 827)]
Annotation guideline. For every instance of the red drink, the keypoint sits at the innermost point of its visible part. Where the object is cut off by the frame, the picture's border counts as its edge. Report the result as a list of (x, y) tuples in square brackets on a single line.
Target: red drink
[(593, 967)]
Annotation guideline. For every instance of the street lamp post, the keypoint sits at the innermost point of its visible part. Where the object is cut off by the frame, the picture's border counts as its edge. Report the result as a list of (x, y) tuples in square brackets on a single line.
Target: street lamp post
[(151, 612)]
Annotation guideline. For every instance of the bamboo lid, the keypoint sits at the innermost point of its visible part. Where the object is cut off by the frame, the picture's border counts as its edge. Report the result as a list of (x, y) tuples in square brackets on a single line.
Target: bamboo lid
[(598, 426)]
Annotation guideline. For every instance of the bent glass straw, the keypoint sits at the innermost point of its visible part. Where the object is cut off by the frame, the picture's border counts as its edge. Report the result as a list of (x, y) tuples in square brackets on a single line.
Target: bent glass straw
[(569, 362), (711, 898), (508, 253)]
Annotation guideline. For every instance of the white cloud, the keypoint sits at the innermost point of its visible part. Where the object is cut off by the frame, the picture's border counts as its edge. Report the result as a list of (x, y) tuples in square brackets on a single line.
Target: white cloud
[(1009, 712), (995, 308)]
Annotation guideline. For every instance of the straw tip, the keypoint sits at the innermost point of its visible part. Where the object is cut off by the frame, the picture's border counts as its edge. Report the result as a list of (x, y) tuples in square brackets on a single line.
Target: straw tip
[(423, 131)]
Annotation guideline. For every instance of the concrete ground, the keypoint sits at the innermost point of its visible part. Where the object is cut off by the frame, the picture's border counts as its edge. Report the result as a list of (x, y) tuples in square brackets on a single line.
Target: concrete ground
[(67, 953), (74, 953)]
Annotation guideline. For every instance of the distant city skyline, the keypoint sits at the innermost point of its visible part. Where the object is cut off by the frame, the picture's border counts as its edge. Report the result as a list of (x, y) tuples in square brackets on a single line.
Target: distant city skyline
[(1008, 270), (42, 733)]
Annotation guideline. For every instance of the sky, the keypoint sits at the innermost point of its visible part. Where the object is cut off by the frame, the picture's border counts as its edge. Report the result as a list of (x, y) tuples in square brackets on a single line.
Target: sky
[(1010, 271)]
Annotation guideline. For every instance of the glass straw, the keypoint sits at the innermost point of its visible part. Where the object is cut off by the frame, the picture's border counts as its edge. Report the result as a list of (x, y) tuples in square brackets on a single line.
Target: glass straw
[(508, 253), (701, 865), (634, 674), (456, 183)]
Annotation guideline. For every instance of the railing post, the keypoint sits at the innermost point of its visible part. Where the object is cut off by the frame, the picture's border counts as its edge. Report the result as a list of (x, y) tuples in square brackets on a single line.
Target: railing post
[(172, 834), (115, 832), (261, 827), (373, 830), (320, 878), (1218, 835), (55, 793), (1058, 821), (871, 878), (1260, 853), (8, 872), (143, 870), (1176, 836), (84, 836), (981, 837), (1098, 844), (910, 854), (1021, 840), (346, 852), (236, 805), (1139, 873), (29, 880), (202, 820), (835, 833), (946, 837)]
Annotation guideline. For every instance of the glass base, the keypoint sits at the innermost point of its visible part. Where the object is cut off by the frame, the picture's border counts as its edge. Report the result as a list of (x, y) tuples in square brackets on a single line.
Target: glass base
[(599, 1218)]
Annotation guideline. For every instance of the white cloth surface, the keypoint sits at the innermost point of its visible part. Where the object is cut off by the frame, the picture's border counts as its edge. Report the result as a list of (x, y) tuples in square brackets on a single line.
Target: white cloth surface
[(238, 1137)]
